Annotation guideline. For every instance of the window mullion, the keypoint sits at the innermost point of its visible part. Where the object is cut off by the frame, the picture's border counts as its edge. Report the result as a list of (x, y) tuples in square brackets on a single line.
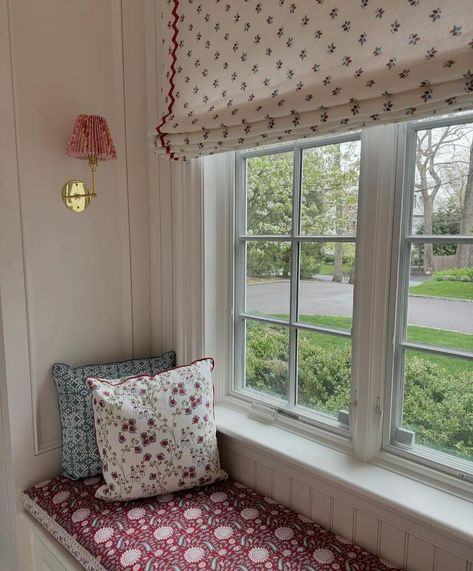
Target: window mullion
[(372, 276), (294, 293), (240, 271), (399, 309)]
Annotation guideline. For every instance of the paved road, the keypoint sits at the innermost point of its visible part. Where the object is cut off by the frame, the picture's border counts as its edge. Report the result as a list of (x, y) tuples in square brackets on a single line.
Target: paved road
[(328, 298)]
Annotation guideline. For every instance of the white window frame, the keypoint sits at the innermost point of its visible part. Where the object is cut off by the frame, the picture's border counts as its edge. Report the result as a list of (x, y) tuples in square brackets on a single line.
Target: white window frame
[(394, 437), (382, 180), (369, 301), (296, 239)]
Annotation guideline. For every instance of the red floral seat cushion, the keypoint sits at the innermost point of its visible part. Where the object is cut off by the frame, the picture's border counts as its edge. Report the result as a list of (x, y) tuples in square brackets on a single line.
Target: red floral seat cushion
[(225, 526)]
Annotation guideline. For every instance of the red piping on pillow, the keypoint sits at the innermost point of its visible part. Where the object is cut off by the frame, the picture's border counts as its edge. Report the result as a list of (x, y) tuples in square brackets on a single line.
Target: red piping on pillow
[(151, 376)]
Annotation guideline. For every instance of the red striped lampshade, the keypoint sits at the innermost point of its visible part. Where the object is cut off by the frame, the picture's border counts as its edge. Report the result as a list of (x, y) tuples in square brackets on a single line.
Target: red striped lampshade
[(91, 138)]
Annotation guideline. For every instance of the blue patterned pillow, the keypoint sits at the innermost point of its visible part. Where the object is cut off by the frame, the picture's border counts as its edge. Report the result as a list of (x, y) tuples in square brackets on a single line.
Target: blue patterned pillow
[(80, 455)]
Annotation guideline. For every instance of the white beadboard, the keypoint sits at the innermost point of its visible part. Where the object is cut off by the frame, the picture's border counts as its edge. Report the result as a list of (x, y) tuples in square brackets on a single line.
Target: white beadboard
[(300, 498), (393, 544), (342, 519), (263, 479), (377, 535), (281, 488), (445, 560), (240, 468), (367, 531), (420, 554), (322, 508)]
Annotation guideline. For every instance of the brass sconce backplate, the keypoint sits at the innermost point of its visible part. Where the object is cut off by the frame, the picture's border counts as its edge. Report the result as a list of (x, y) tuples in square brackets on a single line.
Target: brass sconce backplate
[(76, 195)]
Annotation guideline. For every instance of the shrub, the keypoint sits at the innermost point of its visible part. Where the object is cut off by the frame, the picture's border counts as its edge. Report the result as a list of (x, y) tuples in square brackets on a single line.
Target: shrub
[(454, 275), (438, 405)]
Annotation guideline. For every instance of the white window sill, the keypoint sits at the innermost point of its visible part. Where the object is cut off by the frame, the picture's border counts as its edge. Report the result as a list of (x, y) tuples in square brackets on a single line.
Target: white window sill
[(424, 505)]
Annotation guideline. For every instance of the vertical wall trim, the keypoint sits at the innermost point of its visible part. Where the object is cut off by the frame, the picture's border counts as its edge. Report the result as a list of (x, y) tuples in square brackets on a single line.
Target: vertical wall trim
[(332, 501), (36, 442), (406, 549), (353, 524), (135, 114), (378, 542), (435, 558), (126, 169), (123, 182)]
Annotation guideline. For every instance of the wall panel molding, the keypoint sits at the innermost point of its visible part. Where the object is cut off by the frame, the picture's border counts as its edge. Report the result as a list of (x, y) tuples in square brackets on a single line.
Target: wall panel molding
[(74, 288), (131, 189)]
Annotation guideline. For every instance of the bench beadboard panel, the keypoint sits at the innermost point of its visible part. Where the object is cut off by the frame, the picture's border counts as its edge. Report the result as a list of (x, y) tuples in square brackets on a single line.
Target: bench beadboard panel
[(381, 535)]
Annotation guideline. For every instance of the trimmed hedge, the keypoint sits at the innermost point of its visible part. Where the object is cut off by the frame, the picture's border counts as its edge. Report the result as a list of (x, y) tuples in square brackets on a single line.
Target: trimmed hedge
[(438, 405), (454, 275)]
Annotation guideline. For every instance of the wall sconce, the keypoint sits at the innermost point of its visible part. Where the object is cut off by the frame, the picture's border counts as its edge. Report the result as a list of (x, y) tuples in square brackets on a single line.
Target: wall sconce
[(90, 140)]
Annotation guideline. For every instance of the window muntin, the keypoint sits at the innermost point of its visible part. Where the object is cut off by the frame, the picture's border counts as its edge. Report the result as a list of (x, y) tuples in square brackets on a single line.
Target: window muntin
[(432, 417), (285, 288)]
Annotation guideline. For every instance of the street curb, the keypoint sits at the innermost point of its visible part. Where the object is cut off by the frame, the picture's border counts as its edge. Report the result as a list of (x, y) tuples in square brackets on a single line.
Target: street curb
[(438, 297)]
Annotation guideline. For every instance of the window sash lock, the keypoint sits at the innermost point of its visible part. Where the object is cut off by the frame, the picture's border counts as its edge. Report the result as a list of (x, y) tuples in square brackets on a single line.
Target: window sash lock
[(263, 413), (405, 437), (344, 418)]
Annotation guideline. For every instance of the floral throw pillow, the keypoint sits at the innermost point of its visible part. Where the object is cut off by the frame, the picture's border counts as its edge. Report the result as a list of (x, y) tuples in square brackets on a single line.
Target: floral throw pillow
[(156, 434)]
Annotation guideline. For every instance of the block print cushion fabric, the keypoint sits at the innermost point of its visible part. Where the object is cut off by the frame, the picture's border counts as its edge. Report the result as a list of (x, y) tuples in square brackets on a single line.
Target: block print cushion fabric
[(80, 456), (156, 434), (222, 527)]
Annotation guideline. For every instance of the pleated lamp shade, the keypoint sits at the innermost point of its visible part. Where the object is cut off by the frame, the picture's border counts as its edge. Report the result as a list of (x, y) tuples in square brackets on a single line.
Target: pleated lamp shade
[(91, 138)]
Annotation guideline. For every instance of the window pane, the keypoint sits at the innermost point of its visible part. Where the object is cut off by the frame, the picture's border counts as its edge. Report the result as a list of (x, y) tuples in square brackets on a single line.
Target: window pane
[(443, 193), (438, 402), (269, 194), (330, 189), (268, 271), (440, 309), (324, 372), (267, 358), (327, 273)]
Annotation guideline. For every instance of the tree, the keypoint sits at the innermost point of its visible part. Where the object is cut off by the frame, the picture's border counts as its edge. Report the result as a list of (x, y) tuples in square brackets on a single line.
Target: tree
[(445, 220), (430, 144), (465, 251), (444, 175), (328, 205)]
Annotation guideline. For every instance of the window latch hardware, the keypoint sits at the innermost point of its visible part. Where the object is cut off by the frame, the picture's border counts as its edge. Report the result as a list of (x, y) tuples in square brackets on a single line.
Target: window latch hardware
[(344, 418), (405, 437), (262, 413), (288, 414), (379, 410)]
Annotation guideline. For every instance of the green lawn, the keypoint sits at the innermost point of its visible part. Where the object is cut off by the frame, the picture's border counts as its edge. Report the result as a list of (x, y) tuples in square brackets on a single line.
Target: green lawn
[(416, 334), (453, 290), (328, 269)]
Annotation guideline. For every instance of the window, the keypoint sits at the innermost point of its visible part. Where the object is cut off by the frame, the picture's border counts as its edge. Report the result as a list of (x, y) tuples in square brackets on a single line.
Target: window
[(432, 405), (296, 268), (353, 290)]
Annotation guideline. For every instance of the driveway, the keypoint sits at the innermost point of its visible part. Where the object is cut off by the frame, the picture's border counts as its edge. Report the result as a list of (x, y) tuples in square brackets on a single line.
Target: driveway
[(328, 298)]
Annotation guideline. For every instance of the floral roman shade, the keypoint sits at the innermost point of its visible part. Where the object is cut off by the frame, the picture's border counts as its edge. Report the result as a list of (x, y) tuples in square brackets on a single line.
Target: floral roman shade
[(242, 73)]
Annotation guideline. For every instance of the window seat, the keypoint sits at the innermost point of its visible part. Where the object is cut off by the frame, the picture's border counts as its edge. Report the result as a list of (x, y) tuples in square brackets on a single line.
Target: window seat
[(225, 526)]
